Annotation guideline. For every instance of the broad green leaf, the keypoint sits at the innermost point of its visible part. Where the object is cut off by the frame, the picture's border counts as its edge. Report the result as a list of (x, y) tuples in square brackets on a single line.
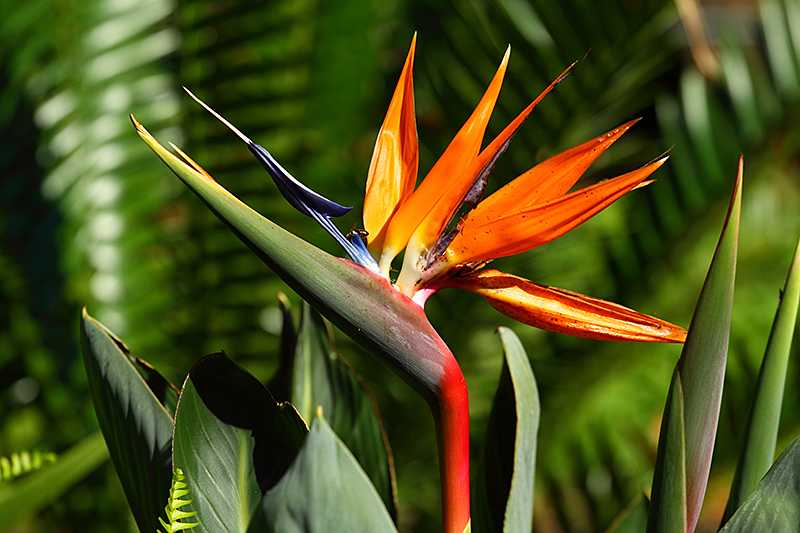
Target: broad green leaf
[(774, 505), (696, 390), (135, 424), (362, 304), (232, 442), (504, 494), (761, 432), (324, 491), (320, 377), (24, 496)]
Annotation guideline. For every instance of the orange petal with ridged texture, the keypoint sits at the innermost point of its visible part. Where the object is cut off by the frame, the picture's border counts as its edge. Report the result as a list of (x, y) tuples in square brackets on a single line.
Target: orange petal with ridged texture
[(456, 158), (550, 178), (393, 170), (564, 311), (503, 235)]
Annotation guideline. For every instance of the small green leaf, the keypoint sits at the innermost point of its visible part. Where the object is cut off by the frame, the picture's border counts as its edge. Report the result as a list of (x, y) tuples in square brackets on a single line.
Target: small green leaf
[(135, 424), (320, 377), (696, 391), (774, 505), (761, 432), (232, 441), (23, 497), (281, 383), (504, 493), (324, 491)]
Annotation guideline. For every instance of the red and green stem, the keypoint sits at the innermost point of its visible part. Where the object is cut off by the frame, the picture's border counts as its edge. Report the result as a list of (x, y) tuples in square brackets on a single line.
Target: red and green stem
[(451, 414)]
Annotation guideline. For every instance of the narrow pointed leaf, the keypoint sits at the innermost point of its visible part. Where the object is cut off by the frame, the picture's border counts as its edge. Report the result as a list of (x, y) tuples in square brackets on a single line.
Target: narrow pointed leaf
[(232, 442), (504, 499), (700, 373), (632, 519), (564, 311), (324, 491), (761, 431), (23, 497), (320, 377), (136, 426), (774, 505), (359, 302), (667, 513), (281, 383)]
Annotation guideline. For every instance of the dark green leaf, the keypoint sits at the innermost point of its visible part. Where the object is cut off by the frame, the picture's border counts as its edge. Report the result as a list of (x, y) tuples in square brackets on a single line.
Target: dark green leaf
[(324, 491), (320, 377), (774, 505), (232, 442), (23, 497), (504, 494), (281, 383), (684, 454), (136, 426), (761, 432)]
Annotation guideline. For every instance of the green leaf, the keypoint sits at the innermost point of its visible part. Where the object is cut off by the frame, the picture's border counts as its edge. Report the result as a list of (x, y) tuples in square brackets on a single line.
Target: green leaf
[(690, 418), (320, 377), (232, 442), (281, 383), (135, 424), (774, 505), (761, 432), (362, 304), (324, 491), (632, 519), (504, 494), (25, 496)]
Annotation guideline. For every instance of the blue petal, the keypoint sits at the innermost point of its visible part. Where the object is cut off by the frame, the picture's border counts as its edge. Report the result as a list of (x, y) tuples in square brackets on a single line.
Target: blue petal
[(301, 197)]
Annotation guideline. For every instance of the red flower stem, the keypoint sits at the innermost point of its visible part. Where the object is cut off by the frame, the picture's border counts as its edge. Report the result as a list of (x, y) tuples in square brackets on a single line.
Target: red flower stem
[(451, 415)]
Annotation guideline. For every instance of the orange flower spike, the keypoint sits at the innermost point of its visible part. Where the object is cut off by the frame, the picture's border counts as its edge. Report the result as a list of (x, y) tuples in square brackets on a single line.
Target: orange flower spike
[(562, 311), (393, 170), (500, 236), (461, 151), (549, 179)]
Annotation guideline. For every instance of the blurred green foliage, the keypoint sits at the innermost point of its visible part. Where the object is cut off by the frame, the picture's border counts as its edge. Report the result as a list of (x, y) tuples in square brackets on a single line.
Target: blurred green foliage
[(90, 217)]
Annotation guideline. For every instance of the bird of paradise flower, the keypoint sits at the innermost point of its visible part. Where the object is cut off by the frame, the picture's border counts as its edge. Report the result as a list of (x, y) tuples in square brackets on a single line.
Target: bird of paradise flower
[(442, 252)]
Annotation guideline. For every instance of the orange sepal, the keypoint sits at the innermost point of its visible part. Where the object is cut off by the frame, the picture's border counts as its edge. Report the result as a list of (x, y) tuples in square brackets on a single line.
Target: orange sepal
[(550, 178), (482, 238), (461, 151), (564, 311), (393, 170)]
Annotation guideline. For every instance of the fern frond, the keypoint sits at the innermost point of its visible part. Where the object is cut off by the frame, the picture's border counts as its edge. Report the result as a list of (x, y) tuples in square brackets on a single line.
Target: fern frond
[(20, 463), (174, 503)]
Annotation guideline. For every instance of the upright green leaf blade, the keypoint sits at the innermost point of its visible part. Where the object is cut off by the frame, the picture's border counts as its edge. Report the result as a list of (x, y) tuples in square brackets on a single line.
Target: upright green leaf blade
[(320, 377), (136, 426), (699, 377), (324, 491), (232, 442), (761, 432), (35, 491), (774, 505), (504, 494)]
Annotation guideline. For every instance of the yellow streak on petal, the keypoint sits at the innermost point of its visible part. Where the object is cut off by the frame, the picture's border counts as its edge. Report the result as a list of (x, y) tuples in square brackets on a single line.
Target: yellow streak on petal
[(549, 179), (457, 157), (482, 239), (564, 311), (393, 170)]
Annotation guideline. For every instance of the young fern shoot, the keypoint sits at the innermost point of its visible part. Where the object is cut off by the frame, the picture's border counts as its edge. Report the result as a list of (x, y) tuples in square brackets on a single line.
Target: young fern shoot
[(17, 464), (174, 503)]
